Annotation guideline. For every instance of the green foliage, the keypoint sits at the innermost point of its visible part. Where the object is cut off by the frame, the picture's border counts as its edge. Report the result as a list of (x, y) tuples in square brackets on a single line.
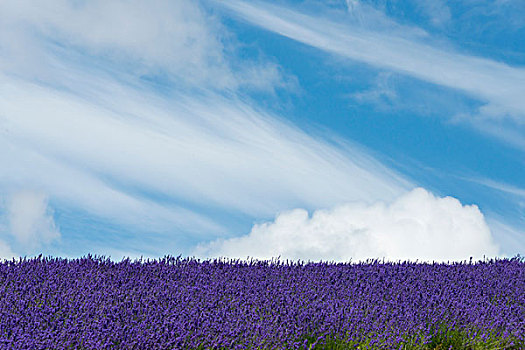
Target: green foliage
[(443, 339)]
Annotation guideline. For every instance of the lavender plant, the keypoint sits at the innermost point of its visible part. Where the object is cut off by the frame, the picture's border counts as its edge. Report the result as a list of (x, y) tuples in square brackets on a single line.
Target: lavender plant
[(184, 303)]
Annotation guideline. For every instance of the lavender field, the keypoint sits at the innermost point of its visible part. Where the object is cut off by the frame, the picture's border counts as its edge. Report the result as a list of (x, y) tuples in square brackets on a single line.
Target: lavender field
[(176, 303)]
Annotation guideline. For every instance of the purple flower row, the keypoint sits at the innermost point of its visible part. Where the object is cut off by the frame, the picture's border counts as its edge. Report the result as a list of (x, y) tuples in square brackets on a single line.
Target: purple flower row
[(175, 303)]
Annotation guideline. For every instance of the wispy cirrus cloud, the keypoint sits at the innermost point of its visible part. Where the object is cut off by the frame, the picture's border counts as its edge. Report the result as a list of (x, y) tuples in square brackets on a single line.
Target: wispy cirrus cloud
[(498, 85), (503, 187), (510, 237), (175, 41), (87, 119), (437, 11), (201, 150)]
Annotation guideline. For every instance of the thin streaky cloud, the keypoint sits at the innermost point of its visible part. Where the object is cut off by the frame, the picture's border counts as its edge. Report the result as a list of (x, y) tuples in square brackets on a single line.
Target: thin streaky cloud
[(510, 237), (80, 188), (513, 136), (225, 155), (175, 40), (495, 83), (501, 186)]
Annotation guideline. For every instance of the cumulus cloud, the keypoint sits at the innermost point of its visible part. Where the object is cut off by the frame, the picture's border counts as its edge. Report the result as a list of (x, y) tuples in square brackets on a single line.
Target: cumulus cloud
[(417, 225), (30, 220)]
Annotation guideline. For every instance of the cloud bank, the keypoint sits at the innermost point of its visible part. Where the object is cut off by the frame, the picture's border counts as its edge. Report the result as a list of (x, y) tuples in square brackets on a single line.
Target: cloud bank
[(417, 225)]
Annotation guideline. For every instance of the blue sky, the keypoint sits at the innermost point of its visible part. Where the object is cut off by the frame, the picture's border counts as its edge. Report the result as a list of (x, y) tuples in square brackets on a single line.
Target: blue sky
[(329, 130)]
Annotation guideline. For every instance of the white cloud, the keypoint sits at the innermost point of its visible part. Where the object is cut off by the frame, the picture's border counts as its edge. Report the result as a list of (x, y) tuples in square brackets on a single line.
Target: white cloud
[(366, 16), (382, 94), (513, 135), (175, 36), (108, 145), (30, 220), (500, 186), (80, 125), (499, 85), (210, 152), (5, 251), (436, 10), (79, 188), (175, 40), (417, 225), (510, 237)]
